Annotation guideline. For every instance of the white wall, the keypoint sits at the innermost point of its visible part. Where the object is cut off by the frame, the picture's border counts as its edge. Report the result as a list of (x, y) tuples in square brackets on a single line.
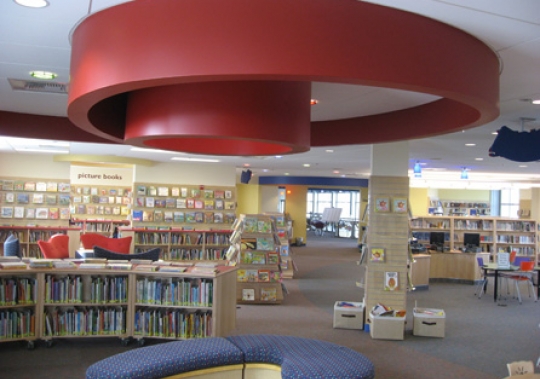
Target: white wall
[(33, 166), (269, 199), (187, 173)]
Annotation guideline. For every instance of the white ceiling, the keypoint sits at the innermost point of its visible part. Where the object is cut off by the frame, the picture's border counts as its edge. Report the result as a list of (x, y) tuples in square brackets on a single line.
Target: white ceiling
[(38, 39)]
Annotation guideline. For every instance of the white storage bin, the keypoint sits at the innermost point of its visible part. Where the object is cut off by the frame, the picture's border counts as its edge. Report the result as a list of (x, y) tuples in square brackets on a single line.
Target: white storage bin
[(349, 317), (387, 327), (429, 322)]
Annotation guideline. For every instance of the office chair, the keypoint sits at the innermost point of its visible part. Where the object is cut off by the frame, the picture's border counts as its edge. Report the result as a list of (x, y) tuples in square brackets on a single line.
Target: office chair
[(525, 274)]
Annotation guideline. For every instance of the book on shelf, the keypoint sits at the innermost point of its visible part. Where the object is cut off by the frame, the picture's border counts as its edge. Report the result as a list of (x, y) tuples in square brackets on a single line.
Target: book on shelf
[(204, 270), (241, 276), (268, 294), (252, 275), (119, 266), (172, 269), (141, 261), (64, 264), (258, 258), (40, 263), (146, 267), (207, 264), (248, 294), (264, 275), (10, 259), (93, 266), (18, 265)]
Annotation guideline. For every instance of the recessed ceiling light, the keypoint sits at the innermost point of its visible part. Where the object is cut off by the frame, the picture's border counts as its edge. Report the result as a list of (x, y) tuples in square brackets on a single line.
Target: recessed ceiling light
[(329, 151), (246, 165), (45, 75), (314, 102), (495, 133), (195, 159), (470, 144), (522, 165), (32, 3), (287, 173), (536, 101), (336, 171), (307, 165), (478, 159), (279, 156)]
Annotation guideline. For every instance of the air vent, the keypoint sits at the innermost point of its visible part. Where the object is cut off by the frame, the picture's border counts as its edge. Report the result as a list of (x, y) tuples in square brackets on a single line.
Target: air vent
[(38, 86)]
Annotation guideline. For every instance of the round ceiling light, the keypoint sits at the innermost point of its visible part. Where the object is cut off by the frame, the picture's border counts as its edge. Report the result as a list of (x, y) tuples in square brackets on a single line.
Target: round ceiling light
[(32, 3), (45, 75)]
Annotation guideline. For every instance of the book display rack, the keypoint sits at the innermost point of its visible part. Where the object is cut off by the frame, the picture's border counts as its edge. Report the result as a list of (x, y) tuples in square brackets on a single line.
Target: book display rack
[(496, 234), (183, 206), (101, 226), (29, 201), (100, 202), (53, 303), (284, 233), (258, 256)]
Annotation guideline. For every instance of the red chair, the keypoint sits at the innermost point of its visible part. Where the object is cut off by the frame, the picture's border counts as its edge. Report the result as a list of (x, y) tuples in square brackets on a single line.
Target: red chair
[(56, 247), (118, 245), (525, 274)]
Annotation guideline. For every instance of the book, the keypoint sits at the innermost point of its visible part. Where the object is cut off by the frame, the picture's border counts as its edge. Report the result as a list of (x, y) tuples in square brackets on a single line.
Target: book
[(40, 263), (258, 258), (93, 266), (268, 294), (146, 267), (248, 294), (172, 269), (119, 266), (252, 275), (241, 276), (264, 275), (18, 265), (64, 264)]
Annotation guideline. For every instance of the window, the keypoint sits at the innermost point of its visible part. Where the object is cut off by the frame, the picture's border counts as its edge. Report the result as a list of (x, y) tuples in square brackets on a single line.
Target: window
[(509, 202)]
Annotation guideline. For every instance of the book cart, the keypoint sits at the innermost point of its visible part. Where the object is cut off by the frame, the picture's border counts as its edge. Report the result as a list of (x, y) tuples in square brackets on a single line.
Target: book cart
[(259, 276), (58, 303)]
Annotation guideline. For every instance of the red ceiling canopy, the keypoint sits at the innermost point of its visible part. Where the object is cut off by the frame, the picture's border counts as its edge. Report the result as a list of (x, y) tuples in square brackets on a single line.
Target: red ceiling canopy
[(234, 77)]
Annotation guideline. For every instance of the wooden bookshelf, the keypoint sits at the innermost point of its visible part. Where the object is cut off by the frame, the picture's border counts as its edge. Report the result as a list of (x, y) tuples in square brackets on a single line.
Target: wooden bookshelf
[(85, 310), (29, 235)]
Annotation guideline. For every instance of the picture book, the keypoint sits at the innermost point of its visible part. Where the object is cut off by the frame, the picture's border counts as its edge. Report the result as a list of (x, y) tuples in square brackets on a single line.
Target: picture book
[(391, 281), (190, 217), (18, 212), (275, 276), (228, 194), (184, 192), (190, 203), (181, 203), (50, 199), (250, 225), (264, 275), (218, 194), (208, 194), (248, 294), (264, 226), (24, 198), (199, 204), (246, 257), (377, 254), (219, 204), (163, 191), (241, 275), (141, 190), (149, 202), (158, 216), (273, 258), (195, 192), (168, 216), (30, 212), (178, 216), (170, 202), (252, 275), (37, 198), (218, 218), (208, 217), (265, 243), (54, 213), (199, 217), (40, 186), (52, 187), (258, 258), (209, 204), (42, 213), (268, 294), (152, 191), (30, 186), (160, 203)]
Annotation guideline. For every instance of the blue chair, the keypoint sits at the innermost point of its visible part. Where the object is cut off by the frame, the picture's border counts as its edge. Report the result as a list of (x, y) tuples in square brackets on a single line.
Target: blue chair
[(12, 247), (481, 287)]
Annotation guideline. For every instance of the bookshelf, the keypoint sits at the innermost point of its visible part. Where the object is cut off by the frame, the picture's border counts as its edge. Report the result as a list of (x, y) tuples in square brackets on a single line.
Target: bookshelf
[(167, 205), (97, 303), (496, 234), (29, 235), (460, 208), (101, 226), (182, 245), (18, 307), (259, 275)]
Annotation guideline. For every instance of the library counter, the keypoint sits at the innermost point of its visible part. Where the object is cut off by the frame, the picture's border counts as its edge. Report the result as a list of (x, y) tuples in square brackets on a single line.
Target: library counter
[(455, 265)]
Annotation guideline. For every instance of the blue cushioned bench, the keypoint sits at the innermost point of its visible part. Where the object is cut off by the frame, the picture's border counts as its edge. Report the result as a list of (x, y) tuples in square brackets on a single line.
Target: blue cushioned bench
[(237, 357)]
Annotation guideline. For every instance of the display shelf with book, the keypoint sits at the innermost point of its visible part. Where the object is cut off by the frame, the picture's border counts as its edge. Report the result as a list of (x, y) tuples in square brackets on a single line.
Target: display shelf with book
[(257, 247), (18, 306), (283, 224), (49, 303), (85, 303), (200, 207), (30, 201), (190, 304), (100, 202), (182, 245), (492, 234), (102, 226)]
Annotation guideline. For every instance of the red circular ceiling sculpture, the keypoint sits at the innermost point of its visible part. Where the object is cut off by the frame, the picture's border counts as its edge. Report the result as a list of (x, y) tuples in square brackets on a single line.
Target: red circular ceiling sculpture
[(234, 77)]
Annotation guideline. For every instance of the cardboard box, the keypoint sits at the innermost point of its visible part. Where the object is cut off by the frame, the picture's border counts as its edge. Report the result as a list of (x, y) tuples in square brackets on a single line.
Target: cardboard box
[(348, 317), (429, 322), (387, 327)]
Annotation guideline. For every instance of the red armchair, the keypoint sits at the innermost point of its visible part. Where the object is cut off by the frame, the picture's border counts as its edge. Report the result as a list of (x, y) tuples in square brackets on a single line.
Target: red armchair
[(56, 247), (118, 245)]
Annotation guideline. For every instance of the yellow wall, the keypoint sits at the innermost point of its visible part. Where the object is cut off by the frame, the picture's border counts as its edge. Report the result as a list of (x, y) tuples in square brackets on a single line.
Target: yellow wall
[(247, 198), (419, 201), (295, 206), (464, 195)]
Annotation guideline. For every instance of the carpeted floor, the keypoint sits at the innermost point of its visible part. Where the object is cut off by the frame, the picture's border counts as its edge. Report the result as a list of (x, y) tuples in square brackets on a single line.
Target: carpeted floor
[(481, 336)]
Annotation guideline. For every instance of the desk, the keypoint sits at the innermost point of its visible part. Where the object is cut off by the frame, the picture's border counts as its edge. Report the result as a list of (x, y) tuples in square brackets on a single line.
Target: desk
[(493, 267), (455, 266), (524, 376)]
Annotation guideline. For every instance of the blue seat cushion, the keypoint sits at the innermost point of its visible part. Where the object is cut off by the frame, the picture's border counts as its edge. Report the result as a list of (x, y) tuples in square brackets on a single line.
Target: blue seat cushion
[(304, 358), (153, 362)]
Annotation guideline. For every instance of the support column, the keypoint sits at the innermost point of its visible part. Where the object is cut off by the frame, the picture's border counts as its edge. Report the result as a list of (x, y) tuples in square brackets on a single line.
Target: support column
[(388, 228)]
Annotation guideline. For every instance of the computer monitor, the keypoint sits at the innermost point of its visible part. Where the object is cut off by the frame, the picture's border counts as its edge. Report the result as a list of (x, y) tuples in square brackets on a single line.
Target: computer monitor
[(436, 239), (471, 239)]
